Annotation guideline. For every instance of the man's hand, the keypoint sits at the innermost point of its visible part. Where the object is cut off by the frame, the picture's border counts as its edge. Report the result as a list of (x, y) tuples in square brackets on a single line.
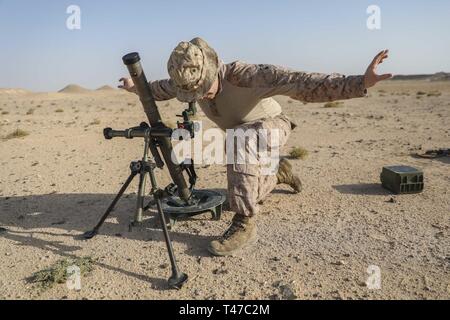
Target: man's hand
[(127, 85), (370, 77)]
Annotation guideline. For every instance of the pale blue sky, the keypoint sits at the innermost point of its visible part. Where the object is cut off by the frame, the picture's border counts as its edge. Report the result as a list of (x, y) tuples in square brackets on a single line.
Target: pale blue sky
[(39, 53)]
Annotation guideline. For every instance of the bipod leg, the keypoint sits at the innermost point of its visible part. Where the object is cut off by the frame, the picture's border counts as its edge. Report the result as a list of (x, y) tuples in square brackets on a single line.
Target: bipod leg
[(177, 279), (140, 197), (90, 234)]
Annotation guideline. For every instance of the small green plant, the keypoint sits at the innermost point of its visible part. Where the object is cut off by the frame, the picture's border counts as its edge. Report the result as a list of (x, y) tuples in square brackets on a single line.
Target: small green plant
[(18, 133), (298, 153), (5, 112), (334, 104), (59, 110), (58, 272), (30, 111), (421, 93)]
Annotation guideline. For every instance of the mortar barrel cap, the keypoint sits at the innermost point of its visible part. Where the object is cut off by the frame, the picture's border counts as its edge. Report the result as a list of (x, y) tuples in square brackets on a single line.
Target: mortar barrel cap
[(131, 58)]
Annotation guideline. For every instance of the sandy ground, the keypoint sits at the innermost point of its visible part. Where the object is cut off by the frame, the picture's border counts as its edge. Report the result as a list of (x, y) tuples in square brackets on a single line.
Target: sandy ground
[(57, 181)]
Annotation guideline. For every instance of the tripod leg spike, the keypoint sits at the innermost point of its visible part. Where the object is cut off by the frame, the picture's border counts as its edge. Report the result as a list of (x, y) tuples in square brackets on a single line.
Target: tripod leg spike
[(177, 282), (89, 234), (178, 278)]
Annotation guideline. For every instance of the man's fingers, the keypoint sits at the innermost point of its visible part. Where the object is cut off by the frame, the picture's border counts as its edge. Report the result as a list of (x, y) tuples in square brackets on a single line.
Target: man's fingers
[(379, 57), (375, 59), (383, 56)]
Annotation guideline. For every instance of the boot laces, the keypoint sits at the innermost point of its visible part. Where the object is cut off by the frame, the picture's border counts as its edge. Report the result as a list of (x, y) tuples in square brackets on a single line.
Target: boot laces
[(232, 229)]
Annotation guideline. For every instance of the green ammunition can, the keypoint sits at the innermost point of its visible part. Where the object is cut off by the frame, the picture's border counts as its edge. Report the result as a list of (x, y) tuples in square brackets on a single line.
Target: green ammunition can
[(402, 179)]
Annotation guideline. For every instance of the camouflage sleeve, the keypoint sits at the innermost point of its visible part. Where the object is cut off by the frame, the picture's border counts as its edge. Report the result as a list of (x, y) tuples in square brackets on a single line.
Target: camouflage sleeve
[(270, 80), (162, 89)]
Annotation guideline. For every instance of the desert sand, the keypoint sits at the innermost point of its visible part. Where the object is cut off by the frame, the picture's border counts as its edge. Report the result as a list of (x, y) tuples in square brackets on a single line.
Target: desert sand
[(57, 181)]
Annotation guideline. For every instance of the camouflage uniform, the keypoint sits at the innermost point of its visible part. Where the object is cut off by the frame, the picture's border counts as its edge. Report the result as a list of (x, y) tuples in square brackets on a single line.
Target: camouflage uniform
[(245, 101), (247, 183)]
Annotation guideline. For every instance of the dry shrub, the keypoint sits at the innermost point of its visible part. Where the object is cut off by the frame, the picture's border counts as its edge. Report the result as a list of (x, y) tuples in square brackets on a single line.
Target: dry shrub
[(334, 104), (298, 153)]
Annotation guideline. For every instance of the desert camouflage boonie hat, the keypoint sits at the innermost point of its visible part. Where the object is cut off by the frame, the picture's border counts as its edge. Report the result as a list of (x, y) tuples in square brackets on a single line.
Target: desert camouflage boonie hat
[(193, 66)]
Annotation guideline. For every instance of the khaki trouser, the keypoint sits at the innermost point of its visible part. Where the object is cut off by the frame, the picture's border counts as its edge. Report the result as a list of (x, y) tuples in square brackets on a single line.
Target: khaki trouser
[(250, 182)]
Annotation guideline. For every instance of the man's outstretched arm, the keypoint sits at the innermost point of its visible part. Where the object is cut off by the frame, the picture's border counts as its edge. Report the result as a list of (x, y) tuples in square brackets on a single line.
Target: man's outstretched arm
[(161, 89), (269, 80)]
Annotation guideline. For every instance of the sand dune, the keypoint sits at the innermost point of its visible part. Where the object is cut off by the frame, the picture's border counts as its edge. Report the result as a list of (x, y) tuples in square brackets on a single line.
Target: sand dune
[(105, 88), (74, 88)]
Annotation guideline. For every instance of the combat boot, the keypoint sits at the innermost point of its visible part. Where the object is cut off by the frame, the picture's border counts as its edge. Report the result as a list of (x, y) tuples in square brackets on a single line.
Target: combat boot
[(241, 233), (286, 176)]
